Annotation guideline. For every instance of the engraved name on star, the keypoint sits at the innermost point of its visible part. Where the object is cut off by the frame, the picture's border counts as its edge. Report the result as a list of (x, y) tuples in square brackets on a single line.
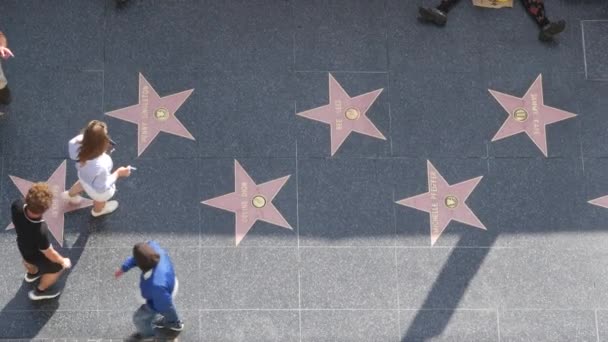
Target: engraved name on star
[(250, 202), (529, 114), (154, 114), (444, 202), (345, 114), (54, 217)]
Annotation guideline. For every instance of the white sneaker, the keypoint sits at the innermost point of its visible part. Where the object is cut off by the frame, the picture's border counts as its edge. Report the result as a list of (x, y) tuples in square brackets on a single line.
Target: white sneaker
[(74, 200), (107, 209)]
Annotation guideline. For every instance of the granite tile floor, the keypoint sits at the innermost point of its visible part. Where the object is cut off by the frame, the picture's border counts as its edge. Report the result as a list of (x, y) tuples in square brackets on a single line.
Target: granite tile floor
[(349, 264)]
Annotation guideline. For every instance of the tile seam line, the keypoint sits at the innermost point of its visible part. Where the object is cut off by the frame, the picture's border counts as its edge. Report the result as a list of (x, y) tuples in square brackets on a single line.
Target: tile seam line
[(281, 310), (597, 328), (582, 26), (498, 324), (298, 239), (534, 248), (397, 287)]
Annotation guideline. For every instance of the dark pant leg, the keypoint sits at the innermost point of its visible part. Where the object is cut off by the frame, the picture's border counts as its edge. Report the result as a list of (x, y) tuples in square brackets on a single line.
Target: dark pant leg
[(536, 9), (446, 5), (143, 318)]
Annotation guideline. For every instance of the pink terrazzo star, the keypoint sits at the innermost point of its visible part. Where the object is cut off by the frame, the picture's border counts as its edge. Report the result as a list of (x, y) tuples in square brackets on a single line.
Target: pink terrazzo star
[(250, 202), (154, 114), (529, 114), (600, 201), (445, 202), (345, 114), (54, 216)]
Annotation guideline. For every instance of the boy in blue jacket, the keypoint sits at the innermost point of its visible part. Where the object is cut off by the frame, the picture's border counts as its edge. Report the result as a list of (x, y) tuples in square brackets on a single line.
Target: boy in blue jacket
[(158, 286)]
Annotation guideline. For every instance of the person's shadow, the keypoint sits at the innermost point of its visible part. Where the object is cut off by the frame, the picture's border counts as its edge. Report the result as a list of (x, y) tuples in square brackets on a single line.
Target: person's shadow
[(27, 318)]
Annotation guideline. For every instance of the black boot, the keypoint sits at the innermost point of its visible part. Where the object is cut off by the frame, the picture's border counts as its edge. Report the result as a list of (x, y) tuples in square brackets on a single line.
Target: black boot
[(548, 31), (432, 15), (121, 3), (5, 96)]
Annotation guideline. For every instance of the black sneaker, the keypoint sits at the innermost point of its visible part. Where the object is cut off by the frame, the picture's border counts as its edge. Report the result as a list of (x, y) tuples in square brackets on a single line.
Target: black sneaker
[(121, 3), (30, 278), (5, 96), (40, 295), (433, 15), (551, 29), (177, 326)]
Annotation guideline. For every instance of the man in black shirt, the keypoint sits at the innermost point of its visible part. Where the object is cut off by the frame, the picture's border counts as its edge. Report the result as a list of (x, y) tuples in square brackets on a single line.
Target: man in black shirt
[(39, 257)]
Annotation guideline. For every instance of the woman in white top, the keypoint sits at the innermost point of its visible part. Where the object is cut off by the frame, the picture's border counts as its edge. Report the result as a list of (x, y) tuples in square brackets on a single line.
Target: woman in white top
[(95, 176)]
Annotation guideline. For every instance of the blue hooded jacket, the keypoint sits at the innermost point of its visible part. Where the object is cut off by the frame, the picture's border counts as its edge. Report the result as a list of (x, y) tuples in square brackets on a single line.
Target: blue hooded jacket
[(158, 287)]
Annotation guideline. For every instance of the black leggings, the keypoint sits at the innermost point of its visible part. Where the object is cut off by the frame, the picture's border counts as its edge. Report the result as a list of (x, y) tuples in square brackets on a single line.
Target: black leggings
[(535, 8)]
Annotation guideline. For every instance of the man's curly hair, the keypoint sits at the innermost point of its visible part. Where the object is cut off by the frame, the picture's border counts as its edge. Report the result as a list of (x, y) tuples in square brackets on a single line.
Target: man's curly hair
[(39, 198)]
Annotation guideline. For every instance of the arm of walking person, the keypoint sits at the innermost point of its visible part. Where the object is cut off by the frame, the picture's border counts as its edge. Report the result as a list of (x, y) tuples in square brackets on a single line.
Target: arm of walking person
[(51, 254), (104, 180), (128, 264), (44, 245), (5, 52)]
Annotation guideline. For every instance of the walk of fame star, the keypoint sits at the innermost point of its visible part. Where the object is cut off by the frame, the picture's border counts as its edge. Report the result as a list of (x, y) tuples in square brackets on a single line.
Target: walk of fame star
[(154, 114), (529, 114), (600, 201), (250, 202), (345, 114), (445, 202), (54, 216)]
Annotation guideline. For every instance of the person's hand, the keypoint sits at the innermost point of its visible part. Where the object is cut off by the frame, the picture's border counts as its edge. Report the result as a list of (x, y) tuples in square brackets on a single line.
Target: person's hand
[(6, 52), (124, 171), (118, 273), (66, 263)]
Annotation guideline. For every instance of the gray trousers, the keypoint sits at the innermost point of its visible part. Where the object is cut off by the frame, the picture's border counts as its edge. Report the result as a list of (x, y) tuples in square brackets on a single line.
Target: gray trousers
[(143, 318), (2, 78)]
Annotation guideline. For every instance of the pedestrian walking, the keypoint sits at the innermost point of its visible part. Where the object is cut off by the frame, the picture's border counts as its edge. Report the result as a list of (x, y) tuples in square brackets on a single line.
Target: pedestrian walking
[(94, 165), (40, 259), (158, 286)]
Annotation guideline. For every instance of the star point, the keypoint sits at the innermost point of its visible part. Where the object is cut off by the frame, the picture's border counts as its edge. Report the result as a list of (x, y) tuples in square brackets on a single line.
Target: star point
[(600, 201)]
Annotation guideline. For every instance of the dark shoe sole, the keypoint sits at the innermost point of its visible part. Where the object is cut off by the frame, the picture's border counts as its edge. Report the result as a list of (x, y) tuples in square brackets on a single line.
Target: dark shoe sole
[(5, 96), (30, 279), (432, 15), (33, 296), (556, 27), (547, 33)]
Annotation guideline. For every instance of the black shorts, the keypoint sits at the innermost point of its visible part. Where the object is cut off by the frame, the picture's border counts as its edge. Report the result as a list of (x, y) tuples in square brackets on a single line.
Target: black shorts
[(44, 265)]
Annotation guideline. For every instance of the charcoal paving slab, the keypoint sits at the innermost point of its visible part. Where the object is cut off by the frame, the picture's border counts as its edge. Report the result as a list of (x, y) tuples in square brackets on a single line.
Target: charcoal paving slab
[(155, 204), (548, 325), (596, 44), (348, 278), (41, 98), (249, 278), (332, 192), (43, 35), (511, 278), (464, 325), (250, 325), (350, 325), (340, 35)]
